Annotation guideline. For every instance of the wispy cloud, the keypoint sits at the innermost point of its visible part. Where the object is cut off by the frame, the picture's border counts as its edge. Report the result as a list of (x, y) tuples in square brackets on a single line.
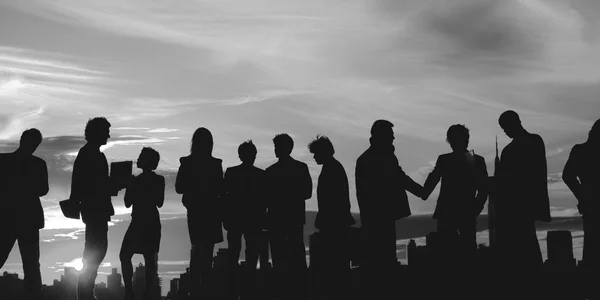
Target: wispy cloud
[(162, 130), (35, 84), (130, 128), (72, 235), (146, 141)]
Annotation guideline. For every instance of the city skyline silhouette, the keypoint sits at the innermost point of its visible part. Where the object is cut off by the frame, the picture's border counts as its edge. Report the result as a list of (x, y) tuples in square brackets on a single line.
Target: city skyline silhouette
[(158, 71)]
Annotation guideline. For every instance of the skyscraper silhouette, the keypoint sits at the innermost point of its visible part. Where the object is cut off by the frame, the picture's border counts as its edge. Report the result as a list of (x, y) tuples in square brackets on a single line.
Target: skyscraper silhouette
[(492, 204)]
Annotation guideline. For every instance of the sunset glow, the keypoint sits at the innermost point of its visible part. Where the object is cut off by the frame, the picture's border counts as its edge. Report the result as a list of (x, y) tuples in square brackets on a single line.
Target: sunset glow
[(76, 263)]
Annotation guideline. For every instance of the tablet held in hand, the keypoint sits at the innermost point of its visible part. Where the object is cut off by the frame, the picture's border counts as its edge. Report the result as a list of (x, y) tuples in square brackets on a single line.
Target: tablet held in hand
[(120, 174)]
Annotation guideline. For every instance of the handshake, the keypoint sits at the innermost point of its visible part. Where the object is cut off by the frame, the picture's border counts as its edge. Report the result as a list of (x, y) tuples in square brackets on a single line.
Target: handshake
[(423, 193)]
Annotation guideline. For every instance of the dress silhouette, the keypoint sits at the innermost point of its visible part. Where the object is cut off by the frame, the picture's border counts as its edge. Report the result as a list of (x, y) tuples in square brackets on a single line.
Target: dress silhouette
[(333, 218), (523, 195), (92, 187), (289, 185), (23, 181), (244, 214), (200, 180), (581, 174), (381, 187), (146, 194), (463, 191)]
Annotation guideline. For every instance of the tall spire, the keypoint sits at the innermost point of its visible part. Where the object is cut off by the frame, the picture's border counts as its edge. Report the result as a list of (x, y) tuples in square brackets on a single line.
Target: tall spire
[(497, 159), (492, 202), (496, 146)]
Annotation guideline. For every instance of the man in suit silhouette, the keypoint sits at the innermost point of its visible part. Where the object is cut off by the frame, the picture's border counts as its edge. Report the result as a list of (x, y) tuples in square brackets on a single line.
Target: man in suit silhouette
[(581, 174), (289, 186), (92, 187), (381, 187), (244, 214), (463, 192), (523, 194), (333, 218), (24, 181)]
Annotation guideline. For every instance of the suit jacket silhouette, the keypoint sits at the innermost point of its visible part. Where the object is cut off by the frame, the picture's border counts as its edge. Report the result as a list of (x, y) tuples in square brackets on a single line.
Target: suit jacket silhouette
[(381, 185), (523, 177), (24, 180), (200, 180), (463, 192), (581, 174), (91, 184), (333, 197), (289, 186), (245, 198)]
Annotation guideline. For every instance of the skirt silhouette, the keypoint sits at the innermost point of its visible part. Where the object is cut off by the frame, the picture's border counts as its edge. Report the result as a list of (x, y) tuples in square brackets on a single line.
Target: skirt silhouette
[(143, 237)]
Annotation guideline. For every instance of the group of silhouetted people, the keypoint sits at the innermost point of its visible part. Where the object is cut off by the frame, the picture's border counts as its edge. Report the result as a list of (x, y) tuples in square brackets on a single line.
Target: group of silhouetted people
[(268, 206)]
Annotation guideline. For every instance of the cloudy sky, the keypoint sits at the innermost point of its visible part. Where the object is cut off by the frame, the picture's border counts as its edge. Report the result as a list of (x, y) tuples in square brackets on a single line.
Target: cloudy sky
[(251, 69)]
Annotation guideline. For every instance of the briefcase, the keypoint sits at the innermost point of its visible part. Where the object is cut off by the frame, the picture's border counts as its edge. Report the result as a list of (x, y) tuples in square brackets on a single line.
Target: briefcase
[(70, 208)]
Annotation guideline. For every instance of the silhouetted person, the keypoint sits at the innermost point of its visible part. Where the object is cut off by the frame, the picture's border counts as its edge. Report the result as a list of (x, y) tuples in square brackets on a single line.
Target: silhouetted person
[(463, 192), (289, 185), (333, 217), (523, 195), (24, 181), (381, 187), (200, 180), (582, 176), (244, 214), (92, 187), (146, 194)]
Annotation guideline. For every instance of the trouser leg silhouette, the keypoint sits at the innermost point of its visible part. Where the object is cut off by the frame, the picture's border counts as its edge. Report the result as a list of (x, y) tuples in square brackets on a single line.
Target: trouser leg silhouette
[(29, 246), (96, 245), (234, 241)]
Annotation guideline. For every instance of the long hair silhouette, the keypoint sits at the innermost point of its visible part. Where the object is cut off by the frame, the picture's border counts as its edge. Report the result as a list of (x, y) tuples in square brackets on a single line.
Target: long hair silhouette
[(202, 142)]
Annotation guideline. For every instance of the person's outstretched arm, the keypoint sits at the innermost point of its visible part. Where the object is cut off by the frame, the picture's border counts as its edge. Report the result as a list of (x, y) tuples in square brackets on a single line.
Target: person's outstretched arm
[(432, 180), (410, 185), (307, 185), (130, 193)]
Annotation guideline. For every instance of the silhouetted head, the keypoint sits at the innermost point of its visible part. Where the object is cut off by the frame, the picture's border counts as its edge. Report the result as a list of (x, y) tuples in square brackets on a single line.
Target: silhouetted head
[(510, 123), (202, 142), (321, 148), (247, 152), (97, 131), (594, 135), (148, 159), (458, 137), (283, 145), (30, 140), (382, 132)]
